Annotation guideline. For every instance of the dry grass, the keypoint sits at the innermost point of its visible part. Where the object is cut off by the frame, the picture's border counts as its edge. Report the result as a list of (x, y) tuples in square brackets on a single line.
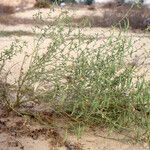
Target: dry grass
[(91, 7), (5, 9), (42, 4), (119, 16), (9, 20), (110, 5)]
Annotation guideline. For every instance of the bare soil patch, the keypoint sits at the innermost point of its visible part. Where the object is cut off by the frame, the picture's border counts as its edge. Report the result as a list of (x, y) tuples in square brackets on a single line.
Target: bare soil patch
[(23, 132)]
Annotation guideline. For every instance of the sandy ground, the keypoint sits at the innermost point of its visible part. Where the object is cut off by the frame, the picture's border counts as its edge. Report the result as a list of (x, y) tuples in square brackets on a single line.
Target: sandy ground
[(19, 133), (91, 140), (17, 2), (87, 142)]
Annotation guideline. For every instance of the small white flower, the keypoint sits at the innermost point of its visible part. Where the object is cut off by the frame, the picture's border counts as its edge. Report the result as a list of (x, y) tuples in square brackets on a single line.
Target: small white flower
[(62, 4)]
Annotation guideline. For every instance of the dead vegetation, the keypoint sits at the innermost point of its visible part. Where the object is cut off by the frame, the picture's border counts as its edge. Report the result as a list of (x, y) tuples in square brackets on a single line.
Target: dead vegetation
[(5, 9), (42, 4), (119, 16), (113, 14)]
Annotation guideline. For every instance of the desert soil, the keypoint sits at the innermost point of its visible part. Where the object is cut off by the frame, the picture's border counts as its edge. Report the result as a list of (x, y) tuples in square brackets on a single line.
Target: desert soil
[(18, 133)]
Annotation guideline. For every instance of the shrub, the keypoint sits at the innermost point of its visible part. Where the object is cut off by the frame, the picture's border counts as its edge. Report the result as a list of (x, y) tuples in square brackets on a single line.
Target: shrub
[(86, 79), (42, 4), (119, 16), (6, 9), (6, 56)]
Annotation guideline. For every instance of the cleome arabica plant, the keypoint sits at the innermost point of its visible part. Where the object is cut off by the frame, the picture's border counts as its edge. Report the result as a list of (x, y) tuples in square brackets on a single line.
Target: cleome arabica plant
[(89, 79)]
